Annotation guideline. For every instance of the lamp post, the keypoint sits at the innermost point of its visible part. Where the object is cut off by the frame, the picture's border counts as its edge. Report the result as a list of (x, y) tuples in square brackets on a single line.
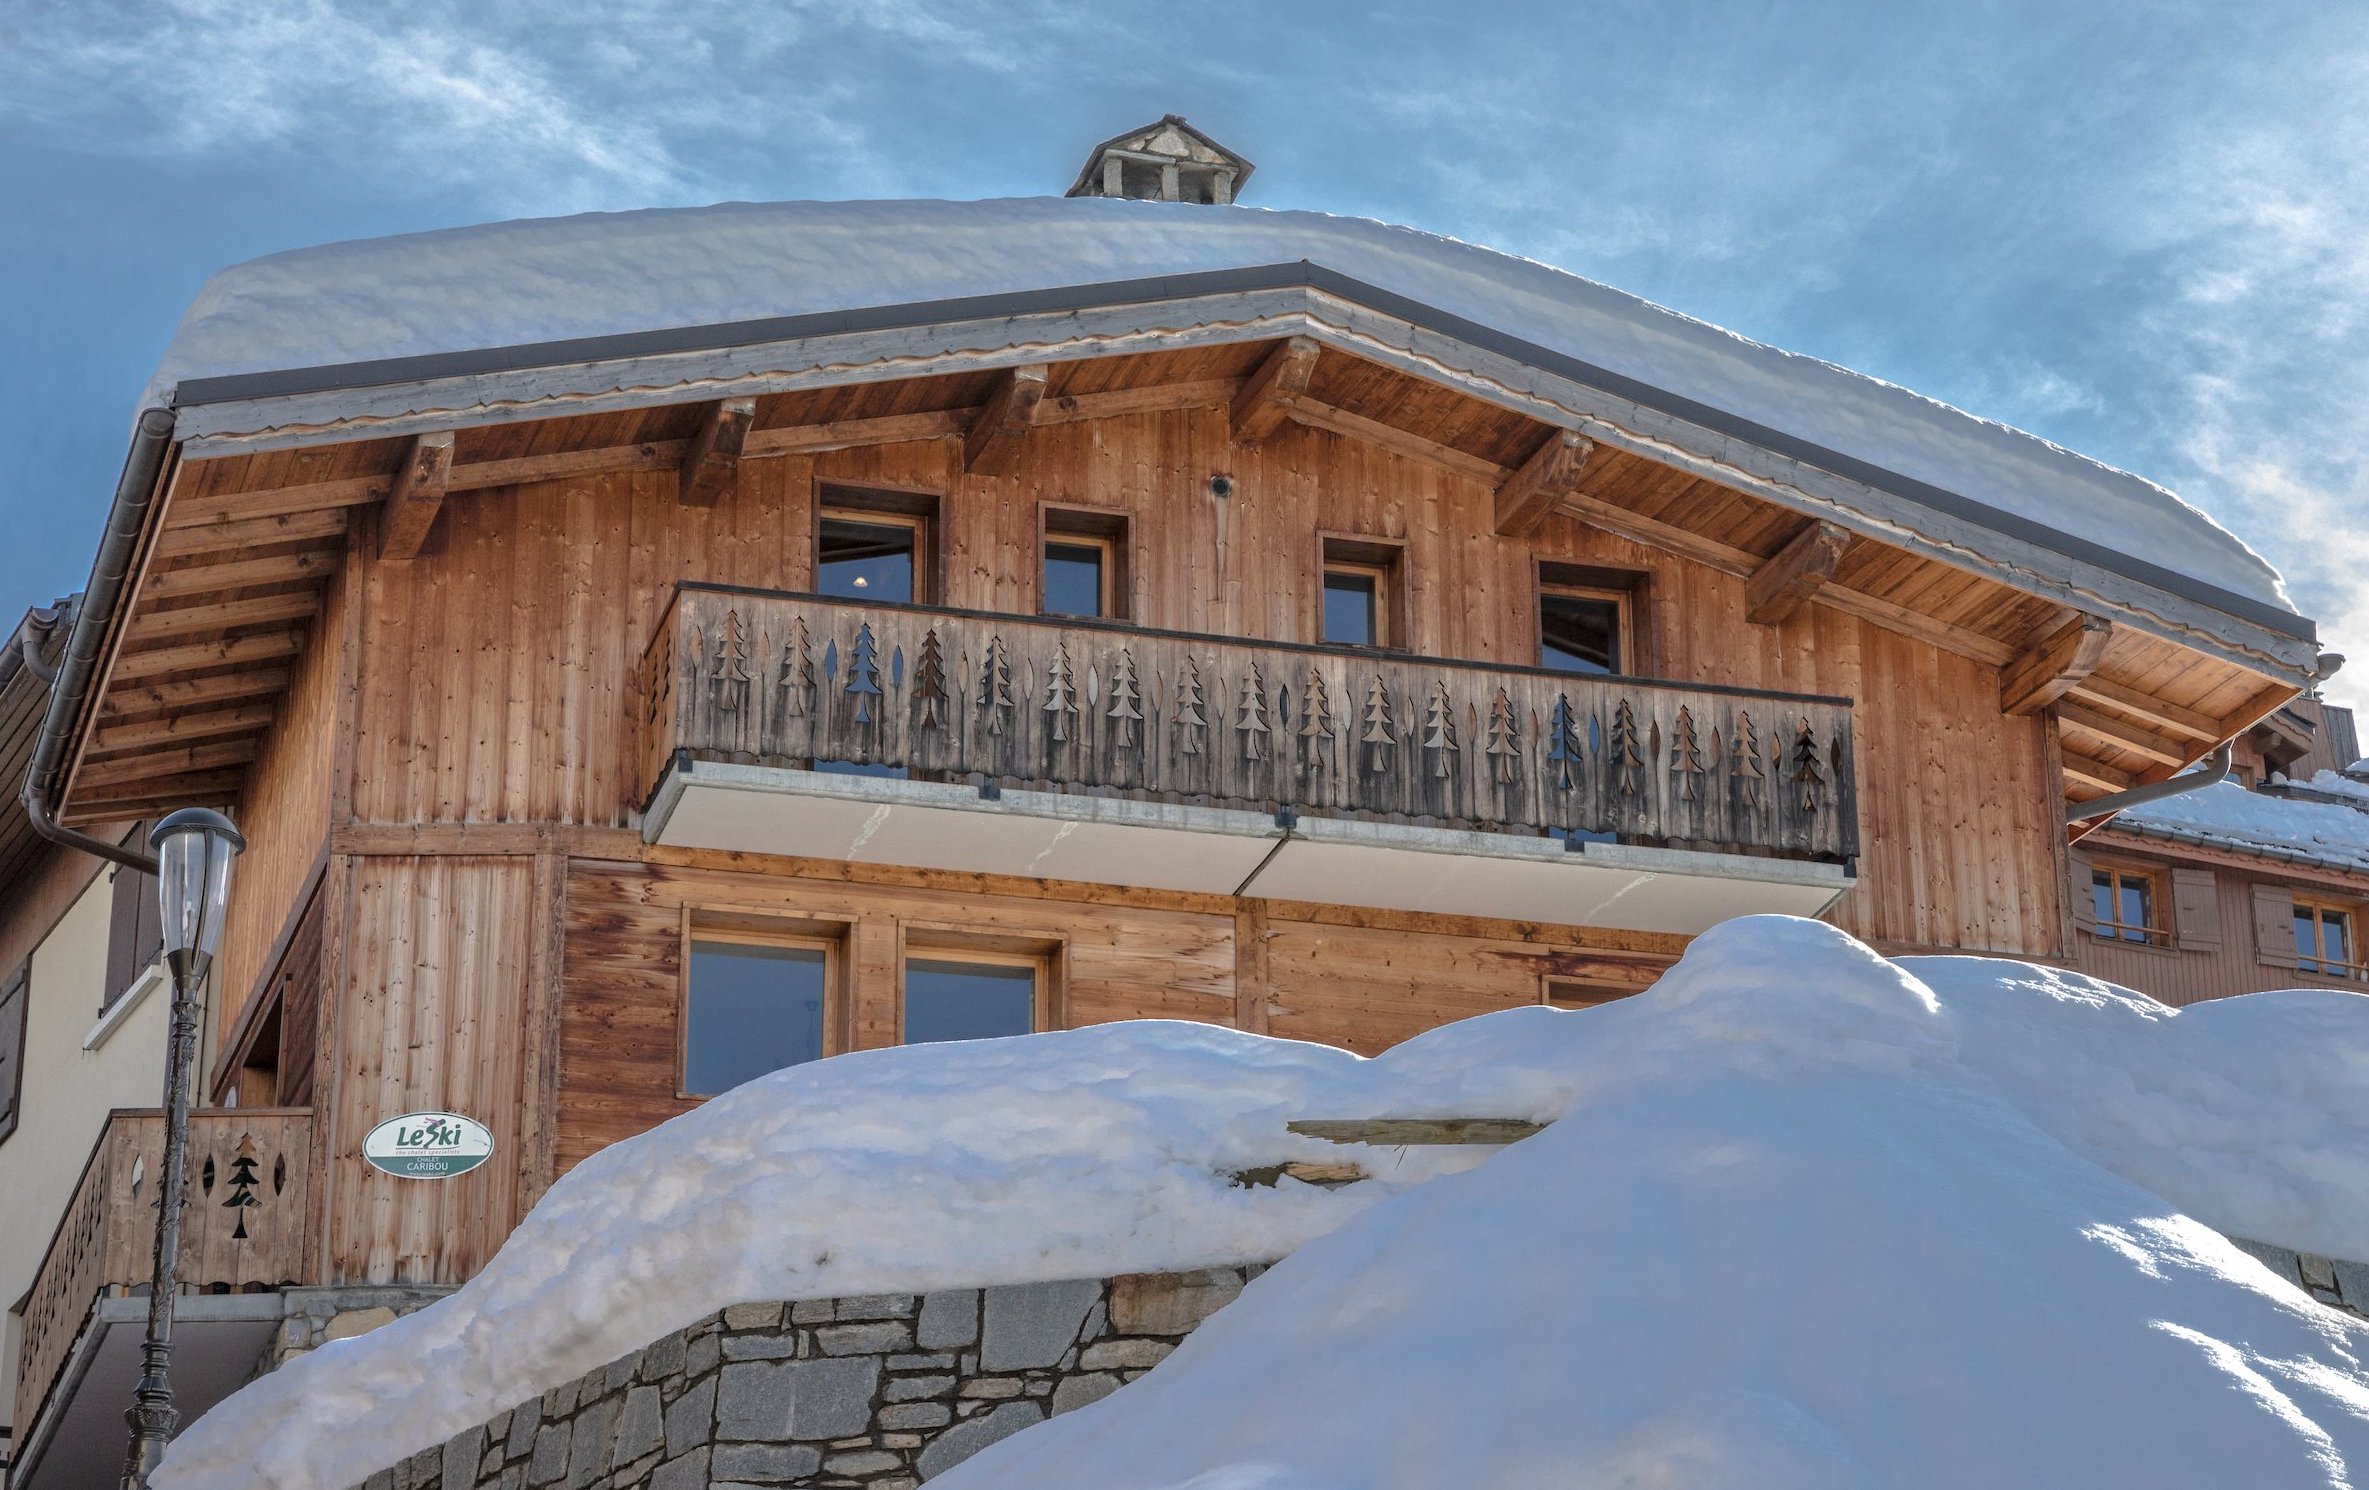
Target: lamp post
[(193, 848)]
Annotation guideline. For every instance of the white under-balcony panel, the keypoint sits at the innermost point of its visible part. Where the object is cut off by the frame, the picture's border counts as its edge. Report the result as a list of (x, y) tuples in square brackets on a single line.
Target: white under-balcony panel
[(1162, 846)]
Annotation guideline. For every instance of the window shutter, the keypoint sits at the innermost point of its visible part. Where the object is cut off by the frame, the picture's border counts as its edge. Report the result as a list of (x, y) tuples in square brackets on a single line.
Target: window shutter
[(2085, 920), (2196, 910), (123, 933), (2274, 925), (14, 996)]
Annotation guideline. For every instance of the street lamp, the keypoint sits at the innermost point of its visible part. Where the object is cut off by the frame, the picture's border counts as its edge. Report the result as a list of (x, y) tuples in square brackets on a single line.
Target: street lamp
[(193, 848)]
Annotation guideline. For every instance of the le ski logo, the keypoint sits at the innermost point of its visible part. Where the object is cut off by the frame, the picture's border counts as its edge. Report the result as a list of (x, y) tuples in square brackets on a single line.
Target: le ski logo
[(428, 1145)]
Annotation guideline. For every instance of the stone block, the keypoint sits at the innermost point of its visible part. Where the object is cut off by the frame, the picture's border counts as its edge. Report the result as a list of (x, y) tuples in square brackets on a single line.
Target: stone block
[(1031, 1324), (524, 1420), (992, 1387), (812, 1311), (691, 1418), (876, 1306), (460, 1458), (2280, 1260), (423, 1470), (1126, 1355), (2352, 1280), (550, 1464), (754, 1402), (832, 1398), (864, 1339), (688, 1472), (589, 1440), (900, 1440), (900, 1417), (752, 1317), (1170, 1303), (1076, 1391), (949, 1319), (967, 1438), (621, 1372), (861, 1462), (760, 1347), (765, 1463), (347, 1323), (700, 1356), (383, 1480), (935, 1361), (912, 1388), (2318, 1271), (663, 1357), (641, 1426)]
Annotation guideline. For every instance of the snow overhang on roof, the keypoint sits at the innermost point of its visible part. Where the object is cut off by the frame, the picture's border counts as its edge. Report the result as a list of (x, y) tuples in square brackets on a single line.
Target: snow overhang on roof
[(513, 319), (2294, 830)]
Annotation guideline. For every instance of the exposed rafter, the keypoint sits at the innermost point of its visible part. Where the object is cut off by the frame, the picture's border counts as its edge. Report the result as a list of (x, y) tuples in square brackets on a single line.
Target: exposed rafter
[(1544, 480), (992, 446), (2162, 749), (2052, 666), (1799, 570), (712, 463), (1259, 409), (417, 495)]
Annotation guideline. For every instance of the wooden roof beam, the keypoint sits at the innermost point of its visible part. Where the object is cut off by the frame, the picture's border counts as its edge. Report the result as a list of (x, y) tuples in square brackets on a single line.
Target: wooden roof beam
[(1318, 414), (2163, 749), (711, 465), (242, 574), (1543, 481), (264, 646), (245, 719), (2149, 709), (2098, 774), (992, 445), (1259, 409), (1784, 584), (2051, 667), (149, 765), (417, 495)]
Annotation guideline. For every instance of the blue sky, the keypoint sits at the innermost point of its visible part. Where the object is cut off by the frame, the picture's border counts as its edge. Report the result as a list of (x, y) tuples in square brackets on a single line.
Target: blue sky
[(2135, 229)]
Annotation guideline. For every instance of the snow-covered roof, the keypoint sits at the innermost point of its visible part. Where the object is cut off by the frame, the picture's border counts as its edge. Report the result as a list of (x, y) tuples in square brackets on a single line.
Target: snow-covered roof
[(1805, 1218), (2324, 833), (611, 274)]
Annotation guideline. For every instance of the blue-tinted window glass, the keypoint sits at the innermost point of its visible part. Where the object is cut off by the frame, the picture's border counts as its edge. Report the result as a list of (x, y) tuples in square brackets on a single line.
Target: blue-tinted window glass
[(865, 560), (1350, 602), (2335, 941), (2134, 918), (2101, 901), (946, 1000), (1578, 634), (1073, 579), (754, 1009)]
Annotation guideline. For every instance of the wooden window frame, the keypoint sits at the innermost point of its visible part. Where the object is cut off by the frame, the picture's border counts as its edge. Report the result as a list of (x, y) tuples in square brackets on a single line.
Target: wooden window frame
[(1382, 559), (833, 936), (1048, 957), (921, 511), (1623, 587), (2349, 913), (2160, 936), (16, 987), (1088, 527), (1580, 993)]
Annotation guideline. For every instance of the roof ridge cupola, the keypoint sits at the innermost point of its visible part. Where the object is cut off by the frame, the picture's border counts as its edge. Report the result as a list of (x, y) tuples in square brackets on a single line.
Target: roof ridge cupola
[(1168, 161)]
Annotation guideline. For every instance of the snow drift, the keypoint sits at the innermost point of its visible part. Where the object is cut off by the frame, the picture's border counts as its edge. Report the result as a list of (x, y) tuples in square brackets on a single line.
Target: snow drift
[(1805, 1218)]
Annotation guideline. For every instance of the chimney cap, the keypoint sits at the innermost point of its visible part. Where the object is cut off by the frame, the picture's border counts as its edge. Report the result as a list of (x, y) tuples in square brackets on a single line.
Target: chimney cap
[(1164, 161)]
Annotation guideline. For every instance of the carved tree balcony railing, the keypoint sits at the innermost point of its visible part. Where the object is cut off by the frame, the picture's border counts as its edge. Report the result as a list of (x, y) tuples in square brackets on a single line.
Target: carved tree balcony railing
[(1096, 707), (247, 1206)]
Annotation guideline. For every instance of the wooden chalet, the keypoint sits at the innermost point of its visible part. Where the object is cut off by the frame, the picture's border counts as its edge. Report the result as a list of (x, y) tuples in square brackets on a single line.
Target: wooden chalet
[(963, 617)]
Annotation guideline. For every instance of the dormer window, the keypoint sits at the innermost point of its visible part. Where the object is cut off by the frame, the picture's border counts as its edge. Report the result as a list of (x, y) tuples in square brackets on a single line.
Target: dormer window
[(1165, 162)]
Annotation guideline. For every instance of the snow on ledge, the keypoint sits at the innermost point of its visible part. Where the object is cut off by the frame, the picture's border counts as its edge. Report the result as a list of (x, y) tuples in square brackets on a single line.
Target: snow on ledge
[(1806, 1217), (2230, 816)]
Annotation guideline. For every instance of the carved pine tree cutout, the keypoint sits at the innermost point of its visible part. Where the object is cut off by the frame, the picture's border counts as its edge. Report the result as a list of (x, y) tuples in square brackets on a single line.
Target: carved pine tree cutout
[(1439, 728), (1563, 745), (929, 681), (1686, 756), (863, 672), (1192, 705), (1250, 715), (1805, 773), (995, 686), (1380, 735), (1126, 703), (1743, 761), (1316, 707), (1627, 761), (795, 675), (243, 1180), (1504, 743), (729, 666), (1061, 692)]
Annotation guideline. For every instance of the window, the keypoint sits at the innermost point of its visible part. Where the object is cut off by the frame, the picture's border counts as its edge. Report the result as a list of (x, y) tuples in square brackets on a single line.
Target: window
[(1085, 568), (1583, 619), (1361, 605), (752, 1007), (875, 546), (2324, 941), (970, 996), (2123, 905), (135, 933), (15, 993)]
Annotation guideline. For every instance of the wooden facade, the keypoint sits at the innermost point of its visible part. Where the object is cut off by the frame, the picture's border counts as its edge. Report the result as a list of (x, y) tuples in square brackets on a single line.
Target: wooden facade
[(438, 674)]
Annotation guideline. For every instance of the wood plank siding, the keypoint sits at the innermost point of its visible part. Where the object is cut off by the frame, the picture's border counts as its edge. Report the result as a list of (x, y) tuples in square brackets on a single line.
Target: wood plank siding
[(2209, 906)]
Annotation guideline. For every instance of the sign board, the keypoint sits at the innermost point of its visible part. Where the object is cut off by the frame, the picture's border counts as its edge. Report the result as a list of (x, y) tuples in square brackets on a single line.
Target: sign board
[(428, 1145)]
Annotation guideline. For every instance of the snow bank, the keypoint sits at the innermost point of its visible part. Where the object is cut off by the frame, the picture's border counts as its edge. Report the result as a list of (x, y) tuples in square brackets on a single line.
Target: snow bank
[(1805, 1218), (505, 284), (2228, 814)]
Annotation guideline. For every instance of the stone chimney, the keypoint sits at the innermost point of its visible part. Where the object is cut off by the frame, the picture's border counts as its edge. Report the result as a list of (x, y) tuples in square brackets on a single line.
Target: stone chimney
[(1165, 162)]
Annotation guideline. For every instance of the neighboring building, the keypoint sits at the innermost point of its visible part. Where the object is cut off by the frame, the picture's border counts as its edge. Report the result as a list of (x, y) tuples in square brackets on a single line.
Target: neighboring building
[(646, 651), (2259, 883)]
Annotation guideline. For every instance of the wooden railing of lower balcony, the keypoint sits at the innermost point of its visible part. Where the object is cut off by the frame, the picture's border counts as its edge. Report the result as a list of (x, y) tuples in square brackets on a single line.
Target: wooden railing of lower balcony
[(244, 1226), (1103, 708)]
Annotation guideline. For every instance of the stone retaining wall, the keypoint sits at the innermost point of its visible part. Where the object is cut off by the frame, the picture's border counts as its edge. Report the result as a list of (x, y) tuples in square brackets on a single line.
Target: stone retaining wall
[(880, 1392), (2334, 1282)]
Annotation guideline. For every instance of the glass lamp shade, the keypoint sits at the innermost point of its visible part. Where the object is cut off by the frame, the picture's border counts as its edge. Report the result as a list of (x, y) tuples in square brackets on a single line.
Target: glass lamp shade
[(194, 848)]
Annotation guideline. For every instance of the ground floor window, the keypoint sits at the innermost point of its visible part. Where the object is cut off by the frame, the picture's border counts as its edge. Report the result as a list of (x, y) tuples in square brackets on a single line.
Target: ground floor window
[(752, 1008), (970, 996), (2324, 940), (2124, 904)]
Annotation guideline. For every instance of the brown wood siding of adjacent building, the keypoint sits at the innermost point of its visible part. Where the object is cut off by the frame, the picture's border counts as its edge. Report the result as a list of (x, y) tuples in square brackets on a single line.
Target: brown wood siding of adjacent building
[(2194, 973), (499, 670), (285, 817)]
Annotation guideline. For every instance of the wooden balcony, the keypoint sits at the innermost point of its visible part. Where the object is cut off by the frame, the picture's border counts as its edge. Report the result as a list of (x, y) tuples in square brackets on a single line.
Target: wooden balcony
[(243, 1229), (1253, 739)]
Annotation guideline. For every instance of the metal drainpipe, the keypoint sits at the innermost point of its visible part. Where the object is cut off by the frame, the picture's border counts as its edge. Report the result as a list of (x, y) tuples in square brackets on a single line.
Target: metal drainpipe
[(2213, 771), (135, 492)]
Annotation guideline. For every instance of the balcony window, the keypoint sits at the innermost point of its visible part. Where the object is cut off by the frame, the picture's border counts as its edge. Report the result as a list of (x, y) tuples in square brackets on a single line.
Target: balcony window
[(752, 1007), (866, 554), (1579, 631), (973, 996), (2324, 941), (1085, 563), (1361, 594), (2123, 905)]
